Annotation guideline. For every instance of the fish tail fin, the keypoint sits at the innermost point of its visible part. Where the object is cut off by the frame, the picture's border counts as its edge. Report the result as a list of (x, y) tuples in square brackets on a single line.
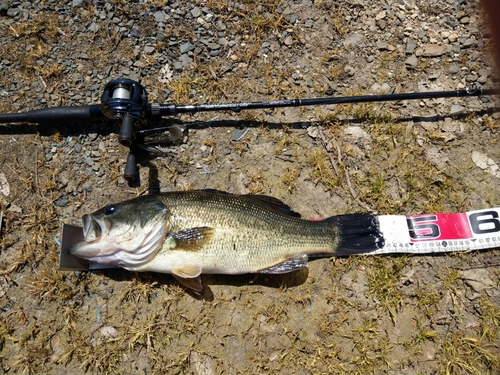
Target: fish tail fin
[(359, 233)]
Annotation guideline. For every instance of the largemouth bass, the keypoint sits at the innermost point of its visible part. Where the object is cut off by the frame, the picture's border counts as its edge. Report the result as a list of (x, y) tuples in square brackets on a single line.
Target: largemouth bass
[(208, 231)]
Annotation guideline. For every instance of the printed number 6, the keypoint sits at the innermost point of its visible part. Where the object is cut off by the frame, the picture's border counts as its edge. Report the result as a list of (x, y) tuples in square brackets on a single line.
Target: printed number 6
[(481, 225), (423, 231)]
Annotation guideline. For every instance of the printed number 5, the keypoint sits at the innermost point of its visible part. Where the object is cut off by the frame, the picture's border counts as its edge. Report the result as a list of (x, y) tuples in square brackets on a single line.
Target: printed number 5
[(419, 230)]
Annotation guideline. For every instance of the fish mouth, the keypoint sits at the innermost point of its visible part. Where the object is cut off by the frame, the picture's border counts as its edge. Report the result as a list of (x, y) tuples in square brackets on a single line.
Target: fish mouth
[(94, 229)]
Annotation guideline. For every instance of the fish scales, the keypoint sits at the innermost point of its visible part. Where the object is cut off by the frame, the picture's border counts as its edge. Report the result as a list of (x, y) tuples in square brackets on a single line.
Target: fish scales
[(208, 231), (249, 236)]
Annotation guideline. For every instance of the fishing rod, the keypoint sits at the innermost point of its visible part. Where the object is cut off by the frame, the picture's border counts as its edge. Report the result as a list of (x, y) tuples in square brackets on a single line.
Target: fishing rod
[(125, 102)]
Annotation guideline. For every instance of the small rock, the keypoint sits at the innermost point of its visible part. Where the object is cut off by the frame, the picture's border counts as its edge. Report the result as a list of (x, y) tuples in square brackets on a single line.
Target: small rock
[(13, 12), (149, 50), (238, 134), (457, 110), (88, 160), (381, 15), (186, 47), (94, 27), (482, 80), (470, 42), (62, 202), (288, 41), (353, 39), (410, 46), (485, 163), (349, 70), (196, 12), (309, 23), (4, 185), (431, 50), (381, 24), (15, 208), (382, 45), (109, 332), (477, 279), (4, 6), (159, 16), (412, 61), (454, 69), (213, 46), (178, 65), (312, 132)]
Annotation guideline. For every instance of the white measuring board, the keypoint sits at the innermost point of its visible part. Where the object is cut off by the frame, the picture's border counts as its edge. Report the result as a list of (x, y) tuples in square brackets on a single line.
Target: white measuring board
[(438, 233)]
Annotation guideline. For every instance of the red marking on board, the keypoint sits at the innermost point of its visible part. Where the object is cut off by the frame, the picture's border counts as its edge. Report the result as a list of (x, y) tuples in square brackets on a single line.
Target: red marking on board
[(437, 227)]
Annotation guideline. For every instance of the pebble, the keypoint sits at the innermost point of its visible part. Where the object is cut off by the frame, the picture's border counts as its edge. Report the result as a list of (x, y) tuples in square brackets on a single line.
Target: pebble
[(88, 160), (149, 50), (431, 50), (13, 12), (454, 69), (94, 27), (410, 46), (196, 12), (159, 16), (457, 110), (186, 47), (288, 41), (4, 6), (412, 61), (353, 39)]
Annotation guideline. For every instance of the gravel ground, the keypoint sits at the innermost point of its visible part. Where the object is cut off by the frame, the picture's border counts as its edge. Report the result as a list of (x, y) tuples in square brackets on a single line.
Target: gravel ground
[(411, 315)]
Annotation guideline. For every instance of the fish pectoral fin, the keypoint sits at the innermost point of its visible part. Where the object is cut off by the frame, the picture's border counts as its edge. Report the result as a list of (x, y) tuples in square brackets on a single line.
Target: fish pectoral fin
[(289, 265), (191, 239), (191, 283), (189, 271)]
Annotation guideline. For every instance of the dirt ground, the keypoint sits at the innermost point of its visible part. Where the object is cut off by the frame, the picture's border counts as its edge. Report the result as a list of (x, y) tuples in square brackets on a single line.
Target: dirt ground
[(360, 315)]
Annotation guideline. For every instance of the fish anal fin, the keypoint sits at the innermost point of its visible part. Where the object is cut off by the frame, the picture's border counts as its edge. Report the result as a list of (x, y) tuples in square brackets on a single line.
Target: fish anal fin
[(193, 283), (191, 239), (288, 265)]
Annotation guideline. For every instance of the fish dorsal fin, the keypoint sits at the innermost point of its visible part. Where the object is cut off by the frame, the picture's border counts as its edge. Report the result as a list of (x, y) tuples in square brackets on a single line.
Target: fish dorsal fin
[(191, 239), (274, 204), (289, 265)]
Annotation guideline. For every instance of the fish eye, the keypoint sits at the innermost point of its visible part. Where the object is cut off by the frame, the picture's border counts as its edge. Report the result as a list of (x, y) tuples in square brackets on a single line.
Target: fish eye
[(110, 210)]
